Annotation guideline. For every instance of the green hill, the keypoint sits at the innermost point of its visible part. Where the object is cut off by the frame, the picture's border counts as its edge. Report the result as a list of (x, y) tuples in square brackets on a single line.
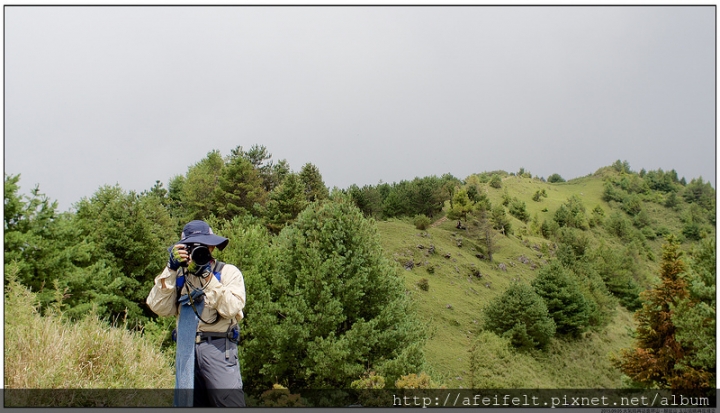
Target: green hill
[(452, 308), (460, 283)]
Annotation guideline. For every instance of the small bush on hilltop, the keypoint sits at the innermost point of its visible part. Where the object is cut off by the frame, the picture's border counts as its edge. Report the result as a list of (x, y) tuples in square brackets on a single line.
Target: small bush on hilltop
[(539, 195), (496, 181), (555, 178)]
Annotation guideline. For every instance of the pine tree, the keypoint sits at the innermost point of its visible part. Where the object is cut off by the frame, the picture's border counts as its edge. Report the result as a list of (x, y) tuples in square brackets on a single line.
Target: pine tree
[(315, 188), (30, 224), (564, 300), (271, 174), (427, 197), (654, 360), (500, 220), (461, 205), (520, 315), (694, 319), (496, 181), (239, 188), (368, 199), (123, 246), (286, 202), (199, 187), (329, 305)]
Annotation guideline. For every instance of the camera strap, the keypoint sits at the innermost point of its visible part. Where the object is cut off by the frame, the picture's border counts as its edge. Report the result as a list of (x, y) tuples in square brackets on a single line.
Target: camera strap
[(198, 293), (190, 306), (185, 356)]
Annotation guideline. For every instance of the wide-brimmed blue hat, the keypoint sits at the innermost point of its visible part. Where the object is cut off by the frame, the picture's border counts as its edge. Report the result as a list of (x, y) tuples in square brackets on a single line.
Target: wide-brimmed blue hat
[(199, 231)]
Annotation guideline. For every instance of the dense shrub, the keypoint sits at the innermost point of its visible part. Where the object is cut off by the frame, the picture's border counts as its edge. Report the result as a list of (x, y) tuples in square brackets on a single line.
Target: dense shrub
[(539, 195), (571, 214), (520, 315), (563, 298), (632, 204), (500, 220), (619, 225), (424, 284), (700, 193), (517, 209), (612, 193), (555, 178), (619, 272), (421, 222)]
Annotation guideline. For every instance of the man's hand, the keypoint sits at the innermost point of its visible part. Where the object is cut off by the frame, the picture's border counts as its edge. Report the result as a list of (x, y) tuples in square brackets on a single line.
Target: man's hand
[(178, 256)]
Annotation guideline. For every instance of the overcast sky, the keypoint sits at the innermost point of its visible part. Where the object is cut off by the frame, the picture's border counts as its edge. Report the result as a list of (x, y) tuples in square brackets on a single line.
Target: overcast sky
[(131, 95)]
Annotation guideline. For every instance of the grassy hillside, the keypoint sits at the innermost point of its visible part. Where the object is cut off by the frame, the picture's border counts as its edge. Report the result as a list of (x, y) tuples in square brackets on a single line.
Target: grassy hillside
[(460, 285), (452, 308)]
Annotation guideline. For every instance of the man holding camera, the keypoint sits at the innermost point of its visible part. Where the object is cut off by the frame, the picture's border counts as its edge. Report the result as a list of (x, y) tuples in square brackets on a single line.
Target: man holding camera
[(208, 297)]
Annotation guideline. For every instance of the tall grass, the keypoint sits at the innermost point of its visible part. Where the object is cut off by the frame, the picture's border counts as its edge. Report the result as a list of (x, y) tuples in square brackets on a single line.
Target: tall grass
[(50, 352)]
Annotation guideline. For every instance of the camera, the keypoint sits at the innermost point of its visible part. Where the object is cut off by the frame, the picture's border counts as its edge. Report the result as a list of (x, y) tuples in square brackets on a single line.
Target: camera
[(199, 253)]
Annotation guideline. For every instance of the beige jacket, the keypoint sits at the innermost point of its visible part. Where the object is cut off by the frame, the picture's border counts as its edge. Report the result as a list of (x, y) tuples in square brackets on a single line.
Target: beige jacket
[(225, 298)]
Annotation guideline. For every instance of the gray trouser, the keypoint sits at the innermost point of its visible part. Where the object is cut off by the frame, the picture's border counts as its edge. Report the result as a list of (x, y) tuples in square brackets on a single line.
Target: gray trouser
[(217, 377)]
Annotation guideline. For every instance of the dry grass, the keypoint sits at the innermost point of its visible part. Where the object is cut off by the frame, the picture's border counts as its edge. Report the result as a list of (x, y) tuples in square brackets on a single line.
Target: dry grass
[(49, 352)]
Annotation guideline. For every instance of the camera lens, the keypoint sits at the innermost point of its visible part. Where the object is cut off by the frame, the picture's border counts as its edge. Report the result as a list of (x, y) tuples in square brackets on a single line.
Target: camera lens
[(201, 255)]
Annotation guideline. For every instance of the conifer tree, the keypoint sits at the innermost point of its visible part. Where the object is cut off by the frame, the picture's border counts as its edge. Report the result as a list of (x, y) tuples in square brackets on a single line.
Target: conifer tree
[(518, 210), (565, 302), (368, 199), (331, 306), (124, 239), (279, 172), (29, 224), (427, 197), (286, 202), (239, 188), (658, 352), (461, 205), (198, 188), (486, 234), (271, 174), (694, 318), (500, 220), (571, 214), (520, 315), (496, 181), (619, 271), (315, 188)]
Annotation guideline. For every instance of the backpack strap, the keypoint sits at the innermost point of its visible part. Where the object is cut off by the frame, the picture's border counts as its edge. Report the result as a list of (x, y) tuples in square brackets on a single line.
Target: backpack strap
[(218, 269)]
